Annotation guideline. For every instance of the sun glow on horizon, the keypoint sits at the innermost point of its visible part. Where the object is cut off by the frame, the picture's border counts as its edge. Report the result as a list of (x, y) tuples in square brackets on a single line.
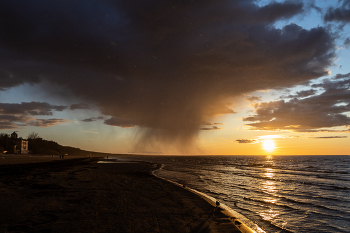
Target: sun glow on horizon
[(269, 145)]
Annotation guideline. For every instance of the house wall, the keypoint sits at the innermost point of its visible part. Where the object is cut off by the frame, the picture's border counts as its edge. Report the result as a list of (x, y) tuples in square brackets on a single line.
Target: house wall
[(24, 147), (21, 146)]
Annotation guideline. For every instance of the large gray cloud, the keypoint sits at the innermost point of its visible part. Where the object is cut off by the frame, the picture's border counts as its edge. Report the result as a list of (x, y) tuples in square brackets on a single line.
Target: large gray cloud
[(325, 110), (13, 115), (43, 123), (12, 79), (166, 66), (249, 141), (124, 123), (32, 108), (92, 119), (211, 128), (79, 106), (340, 14), (330, 137)]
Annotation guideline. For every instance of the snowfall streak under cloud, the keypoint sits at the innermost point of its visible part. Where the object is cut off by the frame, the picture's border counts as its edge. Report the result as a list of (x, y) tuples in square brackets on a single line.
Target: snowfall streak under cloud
[(169, 66)]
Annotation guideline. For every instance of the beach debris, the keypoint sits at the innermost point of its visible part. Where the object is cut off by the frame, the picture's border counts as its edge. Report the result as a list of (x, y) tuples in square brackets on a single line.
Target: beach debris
[(236, 222)]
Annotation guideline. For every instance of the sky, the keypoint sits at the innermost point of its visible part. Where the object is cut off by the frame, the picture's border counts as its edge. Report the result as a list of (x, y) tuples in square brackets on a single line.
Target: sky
[(213, 77)]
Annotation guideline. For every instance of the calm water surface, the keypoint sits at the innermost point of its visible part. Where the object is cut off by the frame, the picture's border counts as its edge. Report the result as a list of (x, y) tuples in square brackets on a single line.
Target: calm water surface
[(279, 193)]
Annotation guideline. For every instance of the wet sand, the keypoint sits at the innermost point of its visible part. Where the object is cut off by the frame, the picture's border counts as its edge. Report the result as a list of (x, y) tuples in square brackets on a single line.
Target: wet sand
[(81, 195)]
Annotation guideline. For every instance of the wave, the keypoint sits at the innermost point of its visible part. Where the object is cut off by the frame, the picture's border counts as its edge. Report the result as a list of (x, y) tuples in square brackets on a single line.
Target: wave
[(304, 179), (309, 193)]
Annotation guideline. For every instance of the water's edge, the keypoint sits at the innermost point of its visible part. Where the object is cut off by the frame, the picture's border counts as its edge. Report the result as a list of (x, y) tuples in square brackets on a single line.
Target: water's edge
[(279, 194), (244, 224)]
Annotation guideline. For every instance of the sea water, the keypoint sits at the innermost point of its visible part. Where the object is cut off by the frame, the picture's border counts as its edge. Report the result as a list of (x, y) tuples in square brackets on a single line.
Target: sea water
[(278, 193)]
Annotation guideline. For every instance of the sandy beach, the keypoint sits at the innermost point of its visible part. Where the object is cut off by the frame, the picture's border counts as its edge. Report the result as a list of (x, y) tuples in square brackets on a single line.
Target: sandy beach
[(46, 194)]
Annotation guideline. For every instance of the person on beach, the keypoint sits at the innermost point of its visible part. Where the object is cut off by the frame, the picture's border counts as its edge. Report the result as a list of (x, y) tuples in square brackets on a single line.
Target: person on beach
[(217, 208)]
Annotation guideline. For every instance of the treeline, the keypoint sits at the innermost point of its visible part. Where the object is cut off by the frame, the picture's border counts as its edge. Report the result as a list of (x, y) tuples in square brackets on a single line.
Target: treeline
[(38, 145), (4, 142), (42, 146)]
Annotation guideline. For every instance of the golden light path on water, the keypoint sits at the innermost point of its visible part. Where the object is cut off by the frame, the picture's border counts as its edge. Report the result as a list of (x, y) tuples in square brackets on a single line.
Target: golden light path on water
[(269, 188)]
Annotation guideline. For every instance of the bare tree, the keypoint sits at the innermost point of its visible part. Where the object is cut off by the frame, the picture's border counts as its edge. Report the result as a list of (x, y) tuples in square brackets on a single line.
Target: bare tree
[(32, 135), (4, 136)]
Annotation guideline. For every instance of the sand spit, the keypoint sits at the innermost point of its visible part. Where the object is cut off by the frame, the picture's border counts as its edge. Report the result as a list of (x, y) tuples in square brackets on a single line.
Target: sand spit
[(23, 159), (81, 195)]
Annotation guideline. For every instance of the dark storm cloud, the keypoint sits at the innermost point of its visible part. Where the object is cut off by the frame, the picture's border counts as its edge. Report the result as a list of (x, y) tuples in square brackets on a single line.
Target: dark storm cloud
[(79, 106), (10, 79), (340, 14), (166, 66), (328, 109), (249, 141)]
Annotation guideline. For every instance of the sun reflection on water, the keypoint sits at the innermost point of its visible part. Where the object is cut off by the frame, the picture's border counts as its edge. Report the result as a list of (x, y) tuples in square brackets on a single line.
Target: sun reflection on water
[(269, 188), (269, 173), (269, 214)]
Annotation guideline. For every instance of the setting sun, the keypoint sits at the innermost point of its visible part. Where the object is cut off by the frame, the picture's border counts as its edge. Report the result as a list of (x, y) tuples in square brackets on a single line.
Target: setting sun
[(269, 145)]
